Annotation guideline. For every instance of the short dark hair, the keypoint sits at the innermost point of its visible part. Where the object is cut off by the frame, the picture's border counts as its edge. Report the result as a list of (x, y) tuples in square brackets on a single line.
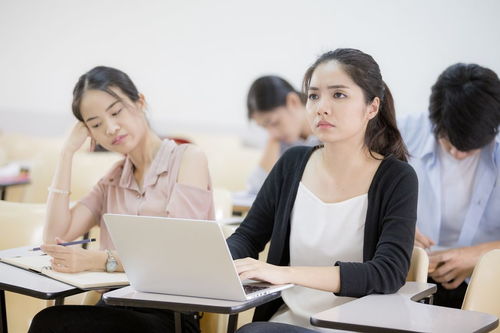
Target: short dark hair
[(382, 135), (464, 106), (267, 93), (103, 78)]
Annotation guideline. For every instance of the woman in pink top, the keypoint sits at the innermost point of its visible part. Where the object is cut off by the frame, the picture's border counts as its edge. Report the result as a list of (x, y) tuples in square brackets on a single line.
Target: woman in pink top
[(156, 178)]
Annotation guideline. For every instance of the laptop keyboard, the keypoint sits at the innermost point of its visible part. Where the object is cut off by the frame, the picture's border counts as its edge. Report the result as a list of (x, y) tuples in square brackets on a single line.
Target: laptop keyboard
[(250, 289)]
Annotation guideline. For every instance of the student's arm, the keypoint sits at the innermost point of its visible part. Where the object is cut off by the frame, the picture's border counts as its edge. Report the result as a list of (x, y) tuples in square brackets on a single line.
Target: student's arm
[(61, 221), (258, 176), (270, 155), (64, 224), (322, 278), (422, 240), (451, 267)]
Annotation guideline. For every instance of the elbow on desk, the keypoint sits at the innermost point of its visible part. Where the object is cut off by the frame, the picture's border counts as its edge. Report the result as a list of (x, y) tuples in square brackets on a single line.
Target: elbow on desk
[(389, 280), (361, 279)]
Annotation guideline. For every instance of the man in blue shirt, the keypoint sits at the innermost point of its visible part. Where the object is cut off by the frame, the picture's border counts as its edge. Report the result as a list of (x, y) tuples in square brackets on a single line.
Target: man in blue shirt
[(455, 150)]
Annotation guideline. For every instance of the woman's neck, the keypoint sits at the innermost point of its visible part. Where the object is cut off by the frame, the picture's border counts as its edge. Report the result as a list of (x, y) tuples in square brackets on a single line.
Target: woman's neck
[(344, 159), (145, 152)]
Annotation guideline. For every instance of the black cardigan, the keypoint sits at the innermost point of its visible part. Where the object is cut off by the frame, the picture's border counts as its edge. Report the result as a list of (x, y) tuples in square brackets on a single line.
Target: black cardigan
[(389, 227)]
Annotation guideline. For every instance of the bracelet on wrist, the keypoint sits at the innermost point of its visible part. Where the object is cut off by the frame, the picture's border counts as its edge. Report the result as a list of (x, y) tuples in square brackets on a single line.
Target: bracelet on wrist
[(58, 191)]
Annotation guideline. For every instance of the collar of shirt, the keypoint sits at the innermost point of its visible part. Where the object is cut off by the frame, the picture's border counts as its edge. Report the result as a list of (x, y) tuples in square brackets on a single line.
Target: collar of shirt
[(158, 166), (429, 151)]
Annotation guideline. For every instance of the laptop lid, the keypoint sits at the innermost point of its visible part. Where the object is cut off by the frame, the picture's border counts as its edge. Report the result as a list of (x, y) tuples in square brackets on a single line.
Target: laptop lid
[(175, 256)]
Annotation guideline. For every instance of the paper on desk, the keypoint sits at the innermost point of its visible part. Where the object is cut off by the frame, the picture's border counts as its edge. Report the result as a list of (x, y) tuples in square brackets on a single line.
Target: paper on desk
[(10, 170), (231, 220), (243, 198), (83, 280), (34, 262)]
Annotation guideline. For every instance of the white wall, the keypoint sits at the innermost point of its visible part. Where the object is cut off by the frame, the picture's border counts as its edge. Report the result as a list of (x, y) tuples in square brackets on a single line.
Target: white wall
[(194, 60)]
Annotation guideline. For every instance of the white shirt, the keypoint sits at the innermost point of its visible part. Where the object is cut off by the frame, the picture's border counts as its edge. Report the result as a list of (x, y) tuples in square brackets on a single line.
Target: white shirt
[(321, 234), (457, 180)]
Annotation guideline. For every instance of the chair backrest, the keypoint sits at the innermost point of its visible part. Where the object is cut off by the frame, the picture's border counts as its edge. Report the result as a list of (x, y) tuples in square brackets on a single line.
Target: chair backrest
[(229, 161), (483, 292), (223, 203), (87, 169), (20, 147), (419, 265), (21, 224)]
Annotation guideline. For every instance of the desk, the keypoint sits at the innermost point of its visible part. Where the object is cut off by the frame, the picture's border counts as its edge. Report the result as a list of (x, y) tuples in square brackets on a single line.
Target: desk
[(242, 202), (28, 283), (5, 182), (129, 297), (400, 312)]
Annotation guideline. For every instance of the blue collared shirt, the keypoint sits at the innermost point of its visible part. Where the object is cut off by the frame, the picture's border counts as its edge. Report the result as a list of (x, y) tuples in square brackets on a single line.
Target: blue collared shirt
[(482, 221)]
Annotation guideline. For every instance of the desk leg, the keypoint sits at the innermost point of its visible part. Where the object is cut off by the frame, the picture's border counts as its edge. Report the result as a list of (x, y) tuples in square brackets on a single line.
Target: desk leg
[(177, 322), (2, 191), (59, 301), (232, 322), (3, 316)]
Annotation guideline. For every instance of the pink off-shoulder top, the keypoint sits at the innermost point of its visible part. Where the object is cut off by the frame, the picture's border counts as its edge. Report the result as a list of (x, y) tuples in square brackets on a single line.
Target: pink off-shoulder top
[(161, 195)]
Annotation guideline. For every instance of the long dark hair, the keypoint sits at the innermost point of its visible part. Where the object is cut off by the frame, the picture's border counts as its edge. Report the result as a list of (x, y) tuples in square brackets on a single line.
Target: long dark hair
[(382, 135), (267, 93), (103, 78)]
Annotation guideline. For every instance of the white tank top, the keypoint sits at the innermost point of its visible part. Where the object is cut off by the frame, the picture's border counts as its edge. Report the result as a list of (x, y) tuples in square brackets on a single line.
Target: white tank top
[(321, 234)]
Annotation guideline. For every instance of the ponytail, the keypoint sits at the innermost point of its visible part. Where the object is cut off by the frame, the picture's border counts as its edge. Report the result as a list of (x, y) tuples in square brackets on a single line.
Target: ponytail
[(382, 135)]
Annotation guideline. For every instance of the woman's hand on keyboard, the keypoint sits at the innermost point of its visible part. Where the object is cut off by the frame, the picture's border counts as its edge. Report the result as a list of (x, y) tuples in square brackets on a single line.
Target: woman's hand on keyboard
[(249, 268)]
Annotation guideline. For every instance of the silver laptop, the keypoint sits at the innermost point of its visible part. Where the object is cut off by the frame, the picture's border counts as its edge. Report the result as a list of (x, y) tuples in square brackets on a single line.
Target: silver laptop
[(180, 257)]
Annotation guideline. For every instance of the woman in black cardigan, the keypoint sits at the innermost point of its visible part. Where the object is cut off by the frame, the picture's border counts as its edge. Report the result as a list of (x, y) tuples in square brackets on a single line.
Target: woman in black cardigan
[(351, 110)]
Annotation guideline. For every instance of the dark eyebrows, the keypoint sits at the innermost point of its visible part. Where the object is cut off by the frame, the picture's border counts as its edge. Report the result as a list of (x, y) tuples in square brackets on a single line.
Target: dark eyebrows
[(112, 104), (337, 86), (107, 109)]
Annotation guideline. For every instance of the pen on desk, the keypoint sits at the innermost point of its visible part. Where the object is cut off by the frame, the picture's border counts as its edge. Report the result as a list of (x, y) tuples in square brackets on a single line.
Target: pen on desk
[(82, 241)]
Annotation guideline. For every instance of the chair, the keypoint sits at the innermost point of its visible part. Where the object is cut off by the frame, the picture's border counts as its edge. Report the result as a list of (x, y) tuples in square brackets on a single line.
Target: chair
[(483, 292), (22, 149), (229, 161), (419, 266), (22, 224), (222, 203), (87, 169)]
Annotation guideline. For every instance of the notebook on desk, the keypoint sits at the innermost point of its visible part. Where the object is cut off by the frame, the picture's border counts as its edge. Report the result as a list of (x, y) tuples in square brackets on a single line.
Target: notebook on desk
[(180, 257), (40, 263)]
